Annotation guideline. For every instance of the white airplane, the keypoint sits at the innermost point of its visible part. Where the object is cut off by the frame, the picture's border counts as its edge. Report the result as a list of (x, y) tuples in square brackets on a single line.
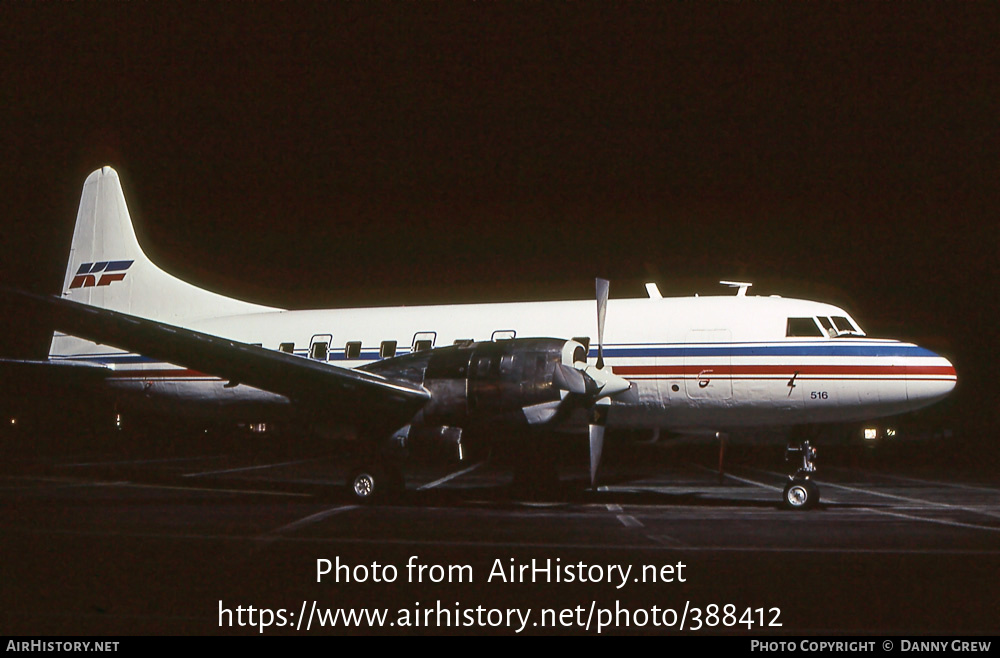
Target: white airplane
[(386, 376)]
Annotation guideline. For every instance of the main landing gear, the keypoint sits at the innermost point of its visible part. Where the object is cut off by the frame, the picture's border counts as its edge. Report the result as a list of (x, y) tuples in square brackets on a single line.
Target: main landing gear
[(801, 492), (375, 481)]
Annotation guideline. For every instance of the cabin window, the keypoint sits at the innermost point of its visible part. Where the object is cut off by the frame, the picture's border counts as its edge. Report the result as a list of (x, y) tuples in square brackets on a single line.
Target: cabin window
[(506, 364), (423, 340), (828, 326), (353, 349), (319, 350), (802, 328), (503, 334), (388, 349), (483, 366), (287, 348)]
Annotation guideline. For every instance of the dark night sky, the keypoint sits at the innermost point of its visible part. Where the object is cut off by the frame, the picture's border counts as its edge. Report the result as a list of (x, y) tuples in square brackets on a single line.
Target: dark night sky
[(368, 153)]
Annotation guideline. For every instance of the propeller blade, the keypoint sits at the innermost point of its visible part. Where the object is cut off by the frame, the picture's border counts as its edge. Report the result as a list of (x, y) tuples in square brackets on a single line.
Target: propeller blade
[(602, 307), (569, 379), (596, 447), (599, 418)]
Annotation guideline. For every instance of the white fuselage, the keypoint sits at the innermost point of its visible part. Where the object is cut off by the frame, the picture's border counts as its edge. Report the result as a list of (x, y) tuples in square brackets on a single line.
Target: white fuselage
[(695, 363)]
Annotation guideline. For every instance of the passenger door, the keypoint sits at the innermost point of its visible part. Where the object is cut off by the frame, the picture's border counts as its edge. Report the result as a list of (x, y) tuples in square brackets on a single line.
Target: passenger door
[(708, 365)]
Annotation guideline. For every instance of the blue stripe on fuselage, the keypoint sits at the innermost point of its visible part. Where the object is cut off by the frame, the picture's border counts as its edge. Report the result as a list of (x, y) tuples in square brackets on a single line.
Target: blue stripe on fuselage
[(727, 349)]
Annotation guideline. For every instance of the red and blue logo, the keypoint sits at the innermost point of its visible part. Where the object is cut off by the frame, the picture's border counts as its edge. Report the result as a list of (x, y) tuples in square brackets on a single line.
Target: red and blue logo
[(100, 274)]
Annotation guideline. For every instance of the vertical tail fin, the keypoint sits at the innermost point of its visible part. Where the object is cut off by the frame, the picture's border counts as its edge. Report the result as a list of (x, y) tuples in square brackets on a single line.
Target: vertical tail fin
[(107, 267)]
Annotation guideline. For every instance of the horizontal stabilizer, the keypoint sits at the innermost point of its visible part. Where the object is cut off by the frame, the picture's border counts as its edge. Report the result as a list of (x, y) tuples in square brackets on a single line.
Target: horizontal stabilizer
[(20, 376)]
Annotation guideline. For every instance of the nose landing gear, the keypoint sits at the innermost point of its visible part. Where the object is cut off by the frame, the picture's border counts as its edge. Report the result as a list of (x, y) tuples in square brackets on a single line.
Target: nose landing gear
[(801, 492)]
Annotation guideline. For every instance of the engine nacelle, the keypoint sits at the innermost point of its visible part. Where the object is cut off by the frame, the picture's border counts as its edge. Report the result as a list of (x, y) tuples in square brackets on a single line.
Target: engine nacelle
[(480, 383)]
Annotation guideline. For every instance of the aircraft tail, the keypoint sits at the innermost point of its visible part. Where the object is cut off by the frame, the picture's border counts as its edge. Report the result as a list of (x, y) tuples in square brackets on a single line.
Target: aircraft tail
[(108, 269)]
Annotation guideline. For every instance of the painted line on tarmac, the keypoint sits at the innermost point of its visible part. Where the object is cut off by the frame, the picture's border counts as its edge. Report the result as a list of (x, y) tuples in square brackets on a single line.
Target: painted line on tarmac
[(140, 461), (901, 478), (452, 476), (956, 524), (908, 499), (626, 520), (255, 492), (630, 521), (49, 483), (746, 481), (755, 483), (65, 483), (245, 468), (309, 520)]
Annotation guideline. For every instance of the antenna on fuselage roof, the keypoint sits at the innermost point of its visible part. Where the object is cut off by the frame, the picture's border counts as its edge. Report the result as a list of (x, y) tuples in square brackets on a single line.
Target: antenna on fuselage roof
[(742, 292)]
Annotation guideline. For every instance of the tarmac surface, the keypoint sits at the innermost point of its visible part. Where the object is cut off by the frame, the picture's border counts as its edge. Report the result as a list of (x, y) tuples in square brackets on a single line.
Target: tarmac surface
[(184, 536)]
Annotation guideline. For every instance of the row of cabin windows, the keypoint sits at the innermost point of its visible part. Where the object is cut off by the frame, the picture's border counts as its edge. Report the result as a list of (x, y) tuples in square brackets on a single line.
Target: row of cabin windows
[(320, 350)]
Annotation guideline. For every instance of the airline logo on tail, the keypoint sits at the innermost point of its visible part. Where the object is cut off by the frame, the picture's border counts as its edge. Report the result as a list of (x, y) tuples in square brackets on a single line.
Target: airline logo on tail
[(109, 271)]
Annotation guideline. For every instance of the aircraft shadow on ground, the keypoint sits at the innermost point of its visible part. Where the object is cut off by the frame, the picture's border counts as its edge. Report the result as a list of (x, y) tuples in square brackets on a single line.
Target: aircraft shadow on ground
[(567, 492)]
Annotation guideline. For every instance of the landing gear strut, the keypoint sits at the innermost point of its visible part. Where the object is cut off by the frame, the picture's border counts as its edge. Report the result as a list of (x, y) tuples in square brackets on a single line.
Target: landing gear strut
[(801, 492)]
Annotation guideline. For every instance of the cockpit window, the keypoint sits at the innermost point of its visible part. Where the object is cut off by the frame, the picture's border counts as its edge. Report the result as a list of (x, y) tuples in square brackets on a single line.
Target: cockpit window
[(802, 327), (845, 326)]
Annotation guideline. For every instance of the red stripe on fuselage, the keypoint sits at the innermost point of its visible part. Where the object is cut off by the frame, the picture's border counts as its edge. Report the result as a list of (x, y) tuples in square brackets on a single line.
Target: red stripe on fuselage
[(789, 370), (160, 374)]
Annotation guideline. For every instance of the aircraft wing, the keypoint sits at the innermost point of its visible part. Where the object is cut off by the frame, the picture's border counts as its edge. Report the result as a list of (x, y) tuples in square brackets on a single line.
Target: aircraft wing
[(364, 399)]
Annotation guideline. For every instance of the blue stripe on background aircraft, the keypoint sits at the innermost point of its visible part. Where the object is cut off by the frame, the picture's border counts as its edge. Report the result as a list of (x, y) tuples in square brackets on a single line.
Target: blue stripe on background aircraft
[(387, 376)]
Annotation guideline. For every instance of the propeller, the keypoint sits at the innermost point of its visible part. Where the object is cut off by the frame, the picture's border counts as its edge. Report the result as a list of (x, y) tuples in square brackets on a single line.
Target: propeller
[(599, 411), (593, 386)]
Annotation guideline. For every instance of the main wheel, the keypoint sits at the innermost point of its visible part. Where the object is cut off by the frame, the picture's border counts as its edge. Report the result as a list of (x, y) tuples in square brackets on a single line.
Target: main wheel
[(372, 483), (800, 494), (366, 483)]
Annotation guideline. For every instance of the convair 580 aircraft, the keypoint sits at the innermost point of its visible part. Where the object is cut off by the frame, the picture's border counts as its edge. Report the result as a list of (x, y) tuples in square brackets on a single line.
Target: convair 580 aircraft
[(388, 375)]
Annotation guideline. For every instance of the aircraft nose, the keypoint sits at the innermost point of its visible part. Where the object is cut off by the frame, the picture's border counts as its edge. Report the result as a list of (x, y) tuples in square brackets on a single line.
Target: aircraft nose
[(933, 378)]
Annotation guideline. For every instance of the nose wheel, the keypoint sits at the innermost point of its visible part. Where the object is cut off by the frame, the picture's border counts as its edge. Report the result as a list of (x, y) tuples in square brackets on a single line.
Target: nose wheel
[(801, 492)]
